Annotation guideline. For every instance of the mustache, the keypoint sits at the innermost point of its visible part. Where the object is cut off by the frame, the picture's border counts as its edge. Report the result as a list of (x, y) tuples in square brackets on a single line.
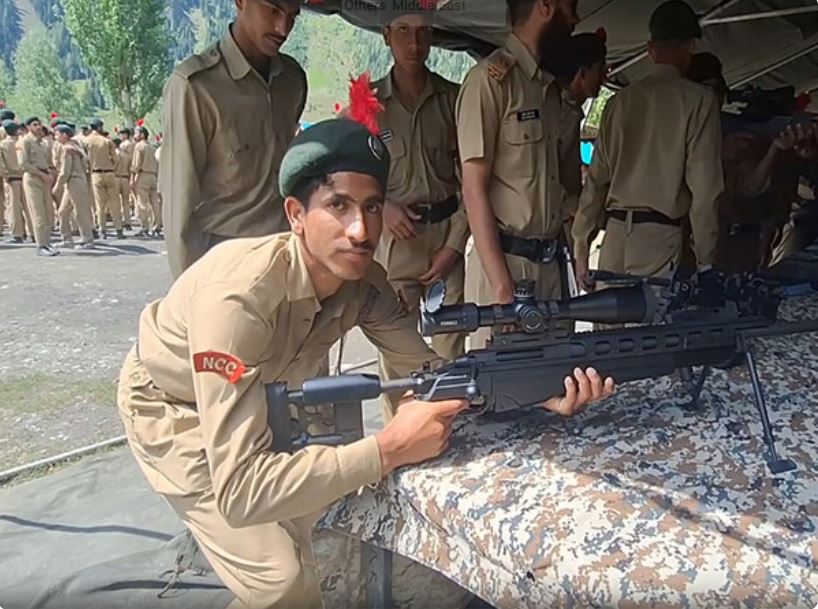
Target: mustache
[(357, 248)]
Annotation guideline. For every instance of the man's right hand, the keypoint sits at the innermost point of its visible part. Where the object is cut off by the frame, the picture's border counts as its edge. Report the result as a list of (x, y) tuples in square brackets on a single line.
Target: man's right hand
[(399, 221), (420, 431), (583, 275)]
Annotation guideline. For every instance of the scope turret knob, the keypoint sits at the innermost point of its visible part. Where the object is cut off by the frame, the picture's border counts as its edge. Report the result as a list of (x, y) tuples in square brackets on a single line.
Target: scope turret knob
[(531, 319), (524, 289)]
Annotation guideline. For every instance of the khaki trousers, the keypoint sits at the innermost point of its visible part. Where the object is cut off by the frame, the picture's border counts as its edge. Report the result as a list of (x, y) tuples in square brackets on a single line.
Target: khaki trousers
[(147, 202), (644, 249), (478, 286), (76, 203), (106, 196), (38, 201), (17, 214), (404, 262), (123, 185)]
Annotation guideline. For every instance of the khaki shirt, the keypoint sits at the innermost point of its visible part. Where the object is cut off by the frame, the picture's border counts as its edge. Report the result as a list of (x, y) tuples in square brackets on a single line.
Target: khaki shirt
[(571, 165), (659, 148), (144, 160), (101, 152), (250, 304), (126, 147), (122, 168), (422, 146), (9, 164), (72, 162), (226, 130), (508, 113), (32, 155)]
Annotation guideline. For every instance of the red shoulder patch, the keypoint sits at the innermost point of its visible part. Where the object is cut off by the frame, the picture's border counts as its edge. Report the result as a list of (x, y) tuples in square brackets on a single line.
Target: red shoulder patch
[(222, 364)]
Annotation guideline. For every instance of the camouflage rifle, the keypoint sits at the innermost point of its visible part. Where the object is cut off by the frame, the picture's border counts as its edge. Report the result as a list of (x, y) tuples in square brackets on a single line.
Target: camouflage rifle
[(710, 320)]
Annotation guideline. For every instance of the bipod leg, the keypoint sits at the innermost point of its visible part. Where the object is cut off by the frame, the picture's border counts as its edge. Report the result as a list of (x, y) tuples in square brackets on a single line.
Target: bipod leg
[(376, 568), (777, 465), (695, 388)]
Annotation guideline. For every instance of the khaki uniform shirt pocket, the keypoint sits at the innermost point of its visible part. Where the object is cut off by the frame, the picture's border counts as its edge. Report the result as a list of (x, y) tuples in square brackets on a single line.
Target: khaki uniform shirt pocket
[(521, 141)]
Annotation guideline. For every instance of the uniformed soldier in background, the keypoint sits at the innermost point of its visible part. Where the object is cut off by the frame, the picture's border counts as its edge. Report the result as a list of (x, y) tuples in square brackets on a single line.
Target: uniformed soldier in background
[(144, 169), (425, 227), (122, 172), (37, 181), (264, 310), (657, 159), (72, 182), (12, 175), (580, 69), (229, 114), (508, 126), (102, 156), (126, 147)]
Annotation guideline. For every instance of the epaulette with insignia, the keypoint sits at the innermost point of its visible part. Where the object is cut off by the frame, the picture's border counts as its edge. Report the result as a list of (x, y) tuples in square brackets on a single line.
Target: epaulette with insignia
[(199, 62), (500, 63)]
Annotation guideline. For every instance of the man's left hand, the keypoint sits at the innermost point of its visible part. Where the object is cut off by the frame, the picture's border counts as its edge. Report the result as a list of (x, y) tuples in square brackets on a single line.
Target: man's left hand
[(442, 264), (584, 388)]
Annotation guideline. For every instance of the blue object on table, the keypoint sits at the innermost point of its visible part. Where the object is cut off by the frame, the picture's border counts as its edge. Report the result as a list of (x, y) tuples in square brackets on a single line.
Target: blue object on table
[(586, 150)]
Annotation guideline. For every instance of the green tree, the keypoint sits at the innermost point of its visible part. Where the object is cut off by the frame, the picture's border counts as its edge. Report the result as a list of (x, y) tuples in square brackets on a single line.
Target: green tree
[(11, 30), (127, 44), (41, 85), (6, 82)]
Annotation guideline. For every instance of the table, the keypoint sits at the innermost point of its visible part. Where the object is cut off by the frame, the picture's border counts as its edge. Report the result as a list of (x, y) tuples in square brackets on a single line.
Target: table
[(638, 502)]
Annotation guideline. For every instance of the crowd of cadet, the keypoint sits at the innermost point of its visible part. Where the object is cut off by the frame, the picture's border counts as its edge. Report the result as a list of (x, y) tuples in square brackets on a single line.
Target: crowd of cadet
[(55, 180)]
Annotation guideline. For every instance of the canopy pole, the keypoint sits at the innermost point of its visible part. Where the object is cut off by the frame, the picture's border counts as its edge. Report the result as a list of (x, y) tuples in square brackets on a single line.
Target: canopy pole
[(724, 6), (762, 15)]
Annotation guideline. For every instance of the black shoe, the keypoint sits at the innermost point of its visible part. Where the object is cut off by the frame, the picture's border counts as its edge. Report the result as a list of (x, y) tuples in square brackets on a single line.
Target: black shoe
[(16, 240), (120, 234), (96, 233)]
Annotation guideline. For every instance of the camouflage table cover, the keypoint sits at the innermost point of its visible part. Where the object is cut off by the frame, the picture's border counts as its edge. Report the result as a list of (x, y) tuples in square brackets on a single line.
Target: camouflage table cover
[(638, 502)]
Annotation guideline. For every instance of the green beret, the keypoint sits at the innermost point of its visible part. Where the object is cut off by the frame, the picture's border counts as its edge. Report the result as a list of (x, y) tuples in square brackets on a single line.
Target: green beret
[(10, 127), (7, 115), (95, 123), (674, 20), (31, 119), (330, 147), (64, 128)]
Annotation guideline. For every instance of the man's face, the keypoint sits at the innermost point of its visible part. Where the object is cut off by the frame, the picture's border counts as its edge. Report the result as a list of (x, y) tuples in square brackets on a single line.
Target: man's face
[(593, 78), (267, 22), (342, 224), (63, 138), (138, 136), (557, 31), (36, 128), (410, 39)]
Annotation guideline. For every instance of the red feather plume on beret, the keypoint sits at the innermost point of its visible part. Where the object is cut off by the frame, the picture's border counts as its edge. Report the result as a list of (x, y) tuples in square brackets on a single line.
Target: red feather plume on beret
[(140, 122), (364, 107), (602, 34)]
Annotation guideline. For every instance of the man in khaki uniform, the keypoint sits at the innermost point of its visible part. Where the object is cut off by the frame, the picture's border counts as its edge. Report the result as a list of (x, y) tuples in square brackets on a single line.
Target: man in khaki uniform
[(37, 181), (229, 114), (143, 182), (425, 227), (508, 126), (648, 183), (122, 172), (126, 147), (102, 156), (262, 310), (72, 182), (12, 175)]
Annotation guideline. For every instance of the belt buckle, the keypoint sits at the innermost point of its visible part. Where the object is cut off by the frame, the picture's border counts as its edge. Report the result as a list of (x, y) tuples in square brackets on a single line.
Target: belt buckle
[(423, 210), (549, 251)]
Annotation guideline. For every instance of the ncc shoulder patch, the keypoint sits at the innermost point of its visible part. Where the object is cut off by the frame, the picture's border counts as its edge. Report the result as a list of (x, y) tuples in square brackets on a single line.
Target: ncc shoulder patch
[(499, 64), (231, 368)]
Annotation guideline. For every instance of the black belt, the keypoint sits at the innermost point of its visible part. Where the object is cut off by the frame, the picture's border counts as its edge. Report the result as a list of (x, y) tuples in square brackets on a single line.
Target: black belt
[(644, 217), (102, 171), (435, 213), (14, 179), (542, 251)]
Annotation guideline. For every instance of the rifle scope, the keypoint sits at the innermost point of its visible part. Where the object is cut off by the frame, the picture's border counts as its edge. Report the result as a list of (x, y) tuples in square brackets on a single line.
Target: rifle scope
[(635, 304)]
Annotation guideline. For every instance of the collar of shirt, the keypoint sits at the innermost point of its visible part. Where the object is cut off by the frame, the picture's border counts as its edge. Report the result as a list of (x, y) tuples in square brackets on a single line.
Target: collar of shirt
[(571, 104), (664, 70), (526, 60), (434, 86), (237, 64)]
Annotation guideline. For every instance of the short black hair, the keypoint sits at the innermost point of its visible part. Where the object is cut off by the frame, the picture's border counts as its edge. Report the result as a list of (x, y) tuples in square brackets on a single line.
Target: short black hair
[(31, 119), (306, 187), (519, 10), (582, 51), (116, 141)]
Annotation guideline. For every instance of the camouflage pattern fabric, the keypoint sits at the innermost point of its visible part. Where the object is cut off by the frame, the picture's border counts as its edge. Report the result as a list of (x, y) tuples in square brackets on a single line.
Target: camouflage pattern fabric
[(638, 502)]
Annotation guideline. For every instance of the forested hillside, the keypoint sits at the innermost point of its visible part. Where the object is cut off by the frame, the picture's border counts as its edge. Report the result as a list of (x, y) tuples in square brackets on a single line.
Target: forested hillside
[(37, 45)]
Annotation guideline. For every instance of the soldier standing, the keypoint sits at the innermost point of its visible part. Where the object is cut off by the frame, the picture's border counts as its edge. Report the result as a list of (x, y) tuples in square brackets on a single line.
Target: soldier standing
[(37, 181), (508, 125), (122, 172), (126, 147), (102, 156), (72, 182), (265, 310), (144, 169), (648, 183), (229, 115), (426, 228), (12, 175)]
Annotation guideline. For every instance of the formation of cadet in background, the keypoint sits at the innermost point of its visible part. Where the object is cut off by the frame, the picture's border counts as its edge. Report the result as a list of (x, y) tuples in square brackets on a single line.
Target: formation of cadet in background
[(57, 180)]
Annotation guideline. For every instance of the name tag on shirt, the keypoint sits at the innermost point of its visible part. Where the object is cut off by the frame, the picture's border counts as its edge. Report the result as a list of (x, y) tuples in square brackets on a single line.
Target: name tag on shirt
[(386, 135), (528, 115)]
